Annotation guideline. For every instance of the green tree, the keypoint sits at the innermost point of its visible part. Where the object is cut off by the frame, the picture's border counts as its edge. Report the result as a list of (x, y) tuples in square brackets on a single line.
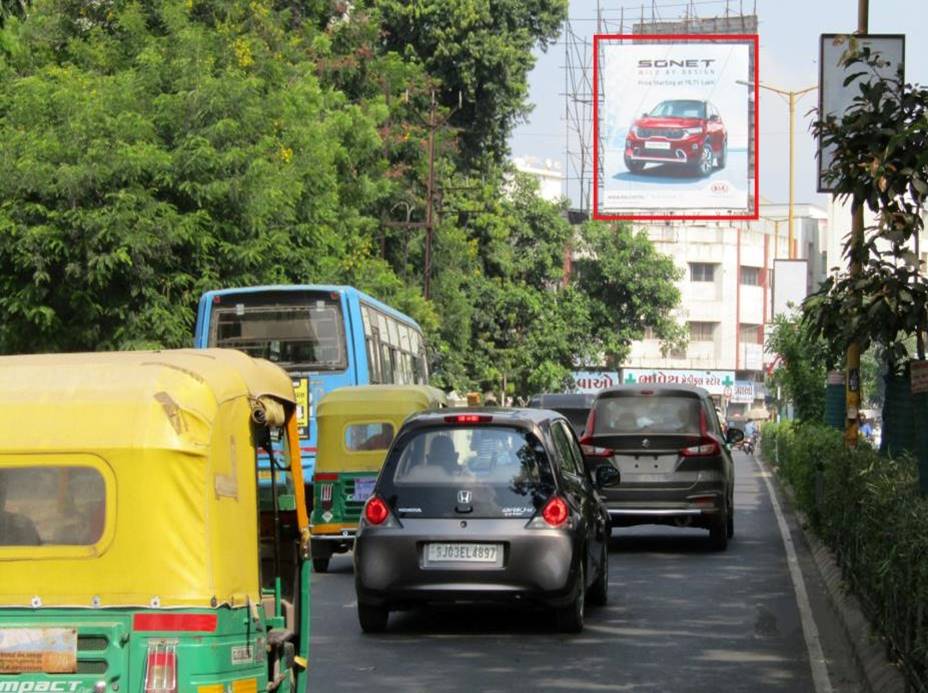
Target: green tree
[(155, 150), (805, 359), (481, 52)]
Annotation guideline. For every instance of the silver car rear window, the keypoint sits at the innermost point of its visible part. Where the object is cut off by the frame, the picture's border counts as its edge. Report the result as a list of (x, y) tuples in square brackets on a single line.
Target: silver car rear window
[(647, 414), (479, 455)]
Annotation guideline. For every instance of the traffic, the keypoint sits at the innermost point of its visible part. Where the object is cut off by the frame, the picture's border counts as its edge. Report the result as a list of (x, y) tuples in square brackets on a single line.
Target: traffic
[(161, 533)]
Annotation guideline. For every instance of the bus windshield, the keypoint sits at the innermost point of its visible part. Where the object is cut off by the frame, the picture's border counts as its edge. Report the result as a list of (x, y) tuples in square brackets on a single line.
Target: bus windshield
[(296, 330)]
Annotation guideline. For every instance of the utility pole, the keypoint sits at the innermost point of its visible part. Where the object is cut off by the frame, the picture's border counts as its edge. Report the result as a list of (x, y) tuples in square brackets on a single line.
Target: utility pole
[(429, 204), (852, 382)]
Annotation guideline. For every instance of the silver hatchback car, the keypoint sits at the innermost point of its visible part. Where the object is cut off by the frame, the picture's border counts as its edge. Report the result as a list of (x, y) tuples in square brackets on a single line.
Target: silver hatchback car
[(484, 505)]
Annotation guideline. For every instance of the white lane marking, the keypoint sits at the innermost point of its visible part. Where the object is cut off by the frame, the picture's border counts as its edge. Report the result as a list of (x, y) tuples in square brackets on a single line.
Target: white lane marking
[(809, 630)]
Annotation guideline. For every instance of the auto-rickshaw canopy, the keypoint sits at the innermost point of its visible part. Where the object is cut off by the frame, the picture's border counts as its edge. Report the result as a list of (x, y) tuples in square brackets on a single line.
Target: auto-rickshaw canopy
[(347, 409), (137, 470)]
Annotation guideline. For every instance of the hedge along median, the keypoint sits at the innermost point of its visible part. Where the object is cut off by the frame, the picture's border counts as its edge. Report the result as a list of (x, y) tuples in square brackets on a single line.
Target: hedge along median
[(867, 508)]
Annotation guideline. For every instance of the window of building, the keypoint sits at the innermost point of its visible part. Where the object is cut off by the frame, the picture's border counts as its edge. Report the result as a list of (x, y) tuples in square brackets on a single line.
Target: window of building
[(702, 272), (750, 276), (751, 334), (702, 331)]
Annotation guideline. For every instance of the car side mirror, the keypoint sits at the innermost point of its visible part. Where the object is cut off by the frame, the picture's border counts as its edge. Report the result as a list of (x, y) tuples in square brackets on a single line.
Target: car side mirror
[(734, 435), (607, 476)]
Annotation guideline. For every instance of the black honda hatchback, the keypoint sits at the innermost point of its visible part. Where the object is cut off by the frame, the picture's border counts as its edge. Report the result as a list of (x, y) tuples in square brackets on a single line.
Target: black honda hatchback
[(484, 505)]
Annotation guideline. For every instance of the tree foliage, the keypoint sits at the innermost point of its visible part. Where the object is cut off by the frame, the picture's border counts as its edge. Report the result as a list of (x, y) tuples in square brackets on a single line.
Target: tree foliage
[(805, 359), (153, 150), (880, 163)]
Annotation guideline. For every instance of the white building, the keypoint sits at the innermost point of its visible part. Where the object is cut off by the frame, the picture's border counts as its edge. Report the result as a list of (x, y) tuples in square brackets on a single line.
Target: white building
[(548, 173), (727, 297)]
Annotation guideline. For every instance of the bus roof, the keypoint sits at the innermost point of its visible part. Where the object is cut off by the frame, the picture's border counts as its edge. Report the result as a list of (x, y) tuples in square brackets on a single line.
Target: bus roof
[(339, 288)]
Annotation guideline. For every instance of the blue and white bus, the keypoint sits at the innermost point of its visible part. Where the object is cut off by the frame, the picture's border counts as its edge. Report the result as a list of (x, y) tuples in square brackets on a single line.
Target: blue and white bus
[(324, 336)]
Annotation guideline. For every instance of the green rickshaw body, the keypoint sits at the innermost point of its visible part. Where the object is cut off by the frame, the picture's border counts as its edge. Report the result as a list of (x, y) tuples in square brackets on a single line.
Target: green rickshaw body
[(356, 428), (130, 551)]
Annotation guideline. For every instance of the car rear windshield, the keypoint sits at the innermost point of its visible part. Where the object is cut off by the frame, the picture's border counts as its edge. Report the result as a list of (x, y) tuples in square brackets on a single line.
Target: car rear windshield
[(631, 414), (680, 109), (505, 470)]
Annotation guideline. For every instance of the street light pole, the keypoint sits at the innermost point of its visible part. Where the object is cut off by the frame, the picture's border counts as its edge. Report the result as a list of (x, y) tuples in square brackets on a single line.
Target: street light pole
[(792, 97)]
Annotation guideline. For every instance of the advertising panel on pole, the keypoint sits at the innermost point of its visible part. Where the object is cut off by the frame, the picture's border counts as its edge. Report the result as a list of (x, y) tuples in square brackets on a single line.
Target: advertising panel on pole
[(675, 127), (714, 382), (790, 285), (834, 96), (593, 381)]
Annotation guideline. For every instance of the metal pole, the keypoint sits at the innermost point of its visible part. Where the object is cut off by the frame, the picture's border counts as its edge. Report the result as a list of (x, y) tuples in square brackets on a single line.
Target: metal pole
[(792, 138), (852, 380), (430, 185)]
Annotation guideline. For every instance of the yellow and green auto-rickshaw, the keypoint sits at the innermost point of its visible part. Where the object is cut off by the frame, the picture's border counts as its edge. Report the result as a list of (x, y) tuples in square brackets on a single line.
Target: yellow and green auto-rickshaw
[(133, 553), (356, 427)]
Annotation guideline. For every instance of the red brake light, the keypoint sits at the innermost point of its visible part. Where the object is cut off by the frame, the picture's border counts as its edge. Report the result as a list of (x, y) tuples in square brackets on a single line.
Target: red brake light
[(590, 450), (161, 668), (704, 447), (376, 511), (555, 512), (468, 418), (174, 622), (325, 476)]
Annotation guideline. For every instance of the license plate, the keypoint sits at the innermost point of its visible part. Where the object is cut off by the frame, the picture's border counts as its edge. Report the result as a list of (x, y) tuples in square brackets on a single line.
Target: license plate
[(363, 488), (38, 650), (656, 145), (463, 553)]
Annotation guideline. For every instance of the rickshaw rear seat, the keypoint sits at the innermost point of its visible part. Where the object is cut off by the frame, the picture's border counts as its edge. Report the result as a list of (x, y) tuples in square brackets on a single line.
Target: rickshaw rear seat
[(279, 635)]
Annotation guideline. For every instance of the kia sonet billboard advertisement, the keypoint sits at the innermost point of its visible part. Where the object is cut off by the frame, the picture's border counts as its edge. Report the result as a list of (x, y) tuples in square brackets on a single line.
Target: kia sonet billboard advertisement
[(674, 127)]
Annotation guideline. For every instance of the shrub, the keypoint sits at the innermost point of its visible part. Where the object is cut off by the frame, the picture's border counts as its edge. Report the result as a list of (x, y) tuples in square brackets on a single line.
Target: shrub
[(868, 510)]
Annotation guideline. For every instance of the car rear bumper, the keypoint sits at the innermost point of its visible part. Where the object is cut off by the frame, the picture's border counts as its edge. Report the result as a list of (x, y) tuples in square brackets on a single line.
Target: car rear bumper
[(537, 565), (699, 505)]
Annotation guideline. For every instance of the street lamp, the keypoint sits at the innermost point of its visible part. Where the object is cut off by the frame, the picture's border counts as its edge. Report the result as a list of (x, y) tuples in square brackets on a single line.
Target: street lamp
[(792, 97)]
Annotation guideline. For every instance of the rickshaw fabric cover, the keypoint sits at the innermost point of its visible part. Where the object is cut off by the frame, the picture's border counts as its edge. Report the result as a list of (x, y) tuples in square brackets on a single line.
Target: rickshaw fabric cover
[(170, 433), (366, 404)]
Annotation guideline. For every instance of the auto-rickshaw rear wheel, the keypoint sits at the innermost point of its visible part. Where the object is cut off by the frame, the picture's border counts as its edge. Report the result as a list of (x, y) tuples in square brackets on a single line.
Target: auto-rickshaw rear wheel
[(373, 619), (321, 565)]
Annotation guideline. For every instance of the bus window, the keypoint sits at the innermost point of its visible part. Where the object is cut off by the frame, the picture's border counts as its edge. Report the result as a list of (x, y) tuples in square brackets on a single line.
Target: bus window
[(303, 330), (386, 361)]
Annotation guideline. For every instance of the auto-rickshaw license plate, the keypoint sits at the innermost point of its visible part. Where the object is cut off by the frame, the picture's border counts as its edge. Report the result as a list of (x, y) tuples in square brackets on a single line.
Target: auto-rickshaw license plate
[(462, 553), (38, 650), (363, 488)]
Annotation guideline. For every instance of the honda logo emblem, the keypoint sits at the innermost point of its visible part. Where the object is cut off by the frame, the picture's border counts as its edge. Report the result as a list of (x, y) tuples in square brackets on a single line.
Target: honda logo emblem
[(464, 497)]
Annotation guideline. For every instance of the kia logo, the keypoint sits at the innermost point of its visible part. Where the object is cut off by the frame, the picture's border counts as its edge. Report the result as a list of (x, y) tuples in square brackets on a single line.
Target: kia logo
[(719, 187), (464, 497)]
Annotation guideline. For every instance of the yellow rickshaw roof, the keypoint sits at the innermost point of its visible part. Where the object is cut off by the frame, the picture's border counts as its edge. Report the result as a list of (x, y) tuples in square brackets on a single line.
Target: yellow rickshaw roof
[(364, 400), (43, 389)]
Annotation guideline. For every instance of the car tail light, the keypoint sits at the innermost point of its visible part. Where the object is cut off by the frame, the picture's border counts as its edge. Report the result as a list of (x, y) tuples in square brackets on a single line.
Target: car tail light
[(468, 418), (590, 450), (555, 512), (707, 501), (704, 447), (161, 667), (376, 511)]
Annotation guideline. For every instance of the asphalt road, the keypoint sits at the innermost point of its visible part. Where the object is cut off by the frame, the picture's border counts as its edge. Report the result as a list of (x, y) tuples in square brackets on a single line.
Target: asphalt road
[(681, 618)]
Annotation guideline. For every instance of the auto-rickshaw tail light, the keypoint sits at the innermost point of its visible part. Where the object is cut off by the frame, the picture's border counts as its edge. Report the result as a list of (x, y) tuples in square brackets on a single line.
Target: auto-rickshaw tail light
[(376, 511), (161, 667), (174, 622)]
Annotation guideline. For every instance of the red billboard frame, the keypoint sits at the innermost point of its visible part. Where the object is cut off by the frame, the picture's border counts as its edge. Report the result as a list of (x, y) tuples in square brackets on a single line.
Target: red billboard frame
[(754, 39)]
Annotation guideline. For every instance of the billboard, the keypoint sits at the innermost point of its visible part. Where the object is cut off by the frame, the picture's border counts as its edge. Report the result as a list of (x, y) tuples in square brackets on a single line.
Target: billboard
[(674, 126), (834, 96), (591, 382), (790, 284), (715, 382)]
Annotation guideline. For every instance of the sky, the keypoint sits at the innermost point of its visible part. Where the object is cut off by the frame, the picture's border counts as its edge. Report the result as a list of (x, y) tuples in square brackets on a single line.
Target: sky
[(789, 45)]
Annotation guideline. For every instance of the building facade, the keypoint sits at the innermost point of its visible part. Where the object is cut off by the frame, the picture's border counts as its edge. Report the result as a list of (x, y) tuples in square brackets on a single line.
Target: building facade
[(727, 289)]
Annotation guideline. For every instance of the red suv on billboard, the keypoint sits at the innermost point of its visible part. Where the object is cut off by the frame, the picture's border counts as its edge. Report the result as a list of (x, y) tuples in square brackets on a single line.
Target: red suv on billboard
[(682, 131)]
